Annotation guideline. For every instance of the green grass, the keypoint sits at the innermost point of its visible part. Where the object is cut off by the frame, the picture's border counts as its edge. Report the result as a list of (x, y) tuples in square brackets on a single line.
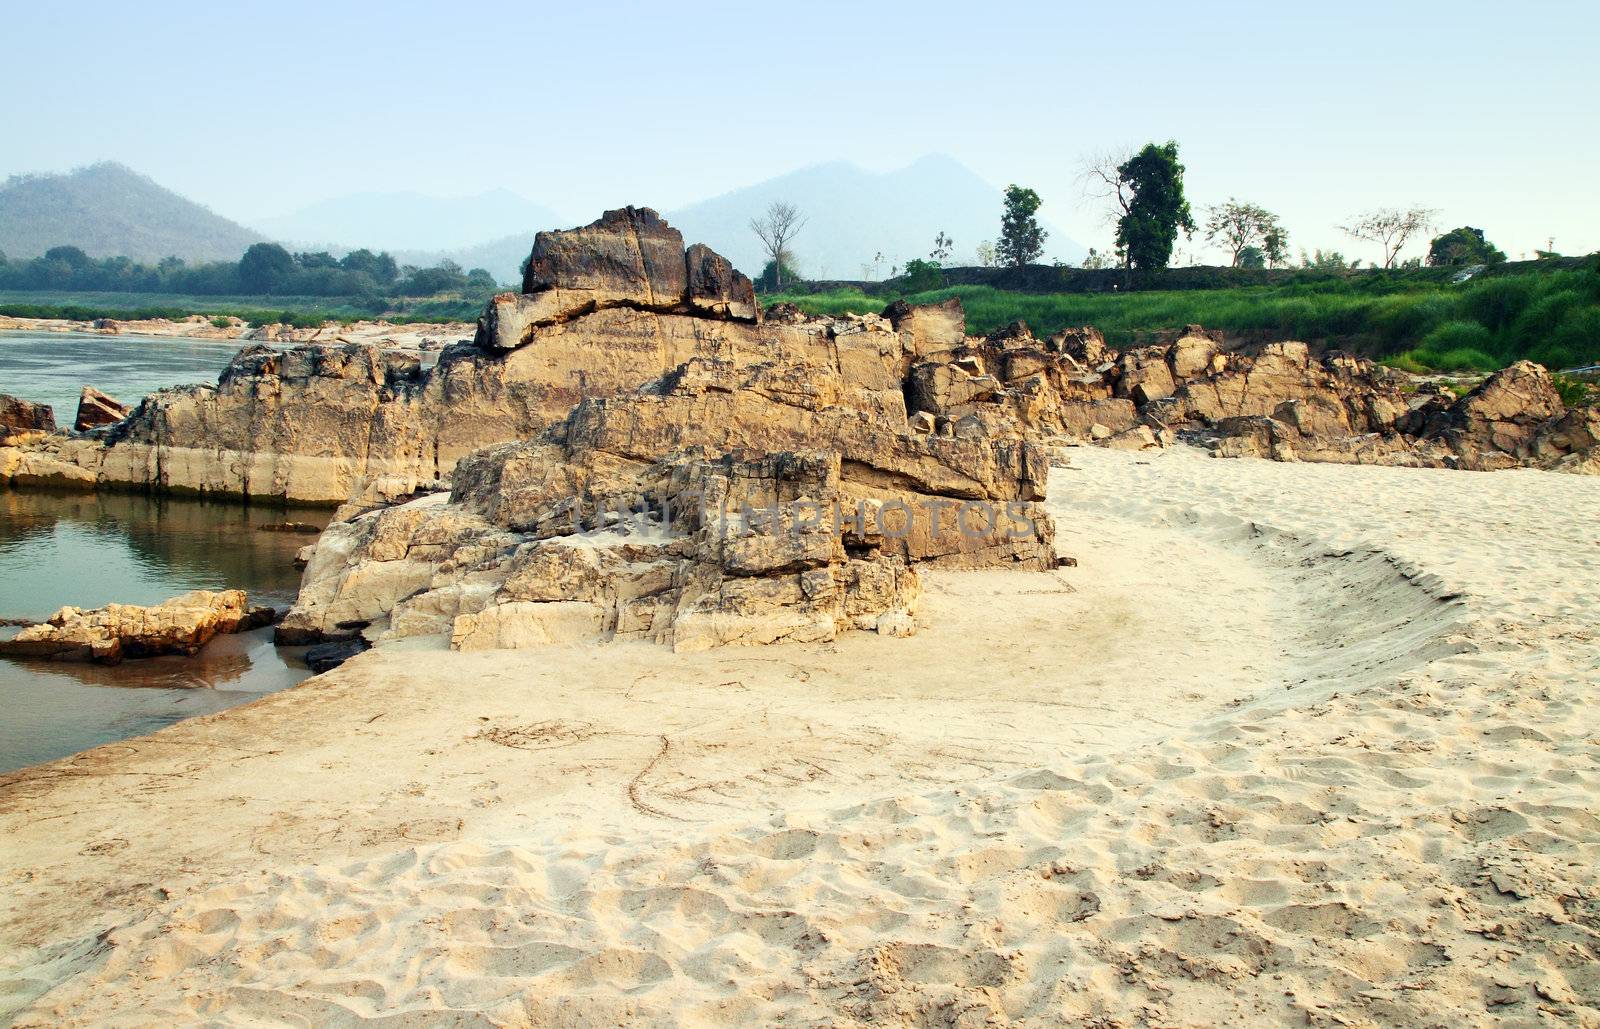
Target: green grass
[(1552, 317)]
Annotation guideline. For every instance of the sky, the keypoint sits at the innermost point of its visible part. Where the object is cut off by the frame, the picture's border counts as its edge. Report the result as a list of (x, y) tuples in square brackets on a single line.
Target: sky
[(1483, 111)]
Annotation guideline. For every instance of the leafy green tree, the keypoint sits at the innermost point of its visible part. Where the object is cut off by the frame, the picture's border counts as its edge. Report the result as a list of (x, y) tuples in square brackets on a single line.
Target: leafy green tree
[(921, 275), (1157, 208), (380, 267), (943, 246), (481, 280), (771, 280), (1326, 261), (320, 259), (1021, 238), (72, 257), (1250, 257), (1238, 227), (1465, 245), (263, 267)]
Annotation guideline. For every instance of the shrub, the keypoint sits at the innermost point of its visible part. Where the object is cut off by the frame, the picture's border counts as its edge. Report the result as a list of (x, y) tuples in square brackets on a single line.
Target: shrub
[(1457, 335)]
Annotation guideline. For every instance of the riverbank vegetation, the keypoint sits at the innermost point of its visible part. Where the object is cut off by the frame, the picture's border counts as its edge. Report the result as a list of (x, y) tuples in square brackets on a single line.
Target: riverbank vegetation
[(1416, 321)]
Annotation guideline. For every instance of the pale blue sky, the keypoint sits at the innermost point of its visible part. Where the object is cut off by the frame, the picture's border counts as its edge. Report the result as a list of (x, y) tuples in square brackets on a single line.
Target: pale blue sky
[(1483, 110)]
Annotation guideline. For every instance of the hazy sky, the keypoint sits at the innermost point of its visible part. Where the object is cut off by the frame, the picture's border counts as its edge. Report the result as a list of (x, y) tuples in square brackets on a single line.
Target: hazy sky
[(1486, 111)]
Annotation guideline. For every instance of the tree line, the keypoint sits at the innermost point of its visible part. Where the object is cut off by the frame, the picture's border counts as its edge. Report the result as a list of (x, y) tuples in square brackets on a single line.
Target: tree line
[(266, 269), (1143, 195)]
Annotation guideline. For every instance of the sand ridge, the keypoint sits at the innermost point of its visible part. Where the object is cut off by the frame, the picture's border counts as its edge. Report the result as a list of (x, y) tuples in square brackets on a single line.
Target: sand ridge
[(1292, 742)]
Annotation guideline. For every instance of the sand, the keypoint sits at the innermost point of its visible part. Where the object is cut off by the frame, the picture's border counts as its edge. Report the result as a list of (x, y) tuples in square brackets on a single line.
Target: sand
[(1292, 743)]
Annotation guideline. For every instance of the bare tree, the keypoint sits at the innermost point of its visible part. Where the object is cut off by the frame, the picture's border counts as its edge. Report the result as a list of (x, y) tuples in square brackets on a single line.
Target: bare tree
[(1390, 228), (1100, 179), (775, 229), (1241, 226)]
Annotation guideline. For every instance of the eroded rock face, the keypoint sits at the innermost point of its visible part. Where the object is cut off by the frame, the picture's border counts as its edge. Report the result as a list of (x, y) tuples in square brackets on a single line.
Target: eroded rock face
[(21, 419), (96, 409), (757, 482), (1276, 400), (109, 634)]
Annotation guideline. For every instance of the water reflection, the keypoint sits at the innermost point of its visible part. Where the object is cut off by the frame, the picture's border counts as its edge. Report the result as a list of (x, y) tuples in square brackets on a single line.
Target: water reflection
[(87, 550)]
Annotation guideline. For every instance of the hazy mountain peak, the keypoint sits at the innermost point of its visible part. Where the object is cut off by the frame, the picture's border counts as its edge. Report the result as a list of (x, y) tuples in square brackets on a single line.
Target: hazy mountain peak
[(110, 210), (853, 214)]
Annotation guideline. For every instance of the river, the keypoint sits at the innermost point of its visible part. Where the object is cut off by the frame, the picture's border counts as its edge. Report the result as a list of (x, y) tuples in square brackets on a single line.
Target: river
[(88, 549)]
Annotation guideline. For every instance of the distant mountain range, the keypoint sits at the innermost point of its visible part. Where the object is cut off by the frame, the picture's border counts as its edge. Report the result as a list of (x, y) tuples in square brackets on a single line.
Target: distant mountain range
[(851, 215), (111, 211)]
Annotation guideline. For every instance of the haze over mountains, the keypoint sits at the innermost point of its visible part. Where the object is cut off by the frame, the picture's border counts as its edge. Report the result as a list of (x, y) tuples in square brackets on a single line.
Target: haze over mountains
[(852, 215)]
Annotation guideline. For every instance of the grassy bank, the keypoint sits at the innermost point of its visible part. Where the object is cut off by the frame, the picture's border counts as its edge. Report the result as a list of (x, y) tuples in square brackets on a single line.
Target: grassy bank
[(1552, 317)]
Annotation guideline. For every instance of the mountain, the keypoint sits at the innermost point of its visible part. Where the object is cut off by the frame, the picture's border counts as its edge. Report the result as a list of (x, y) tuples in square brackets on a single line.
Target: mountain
[(109, 210), (412, 221), (852, 214)]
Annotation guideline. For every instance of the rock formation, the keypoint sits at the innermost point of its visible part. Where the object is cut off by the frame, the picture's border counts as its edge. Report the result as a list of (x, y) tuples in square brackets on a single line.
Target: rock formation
[(21, 420), (96, 409), (109, 634), (755, 482), (1276, 400)]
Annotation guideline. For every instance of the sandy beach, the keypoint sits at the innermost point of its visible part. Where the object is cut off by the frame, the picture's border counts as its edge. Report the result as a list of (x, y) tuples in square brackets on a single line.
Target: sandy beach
[(1304, 743)]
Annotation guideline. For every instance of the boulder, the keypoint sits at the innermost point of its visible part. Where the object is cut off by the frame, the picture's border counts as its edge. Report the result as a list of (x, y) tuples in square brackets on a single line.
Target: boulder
[(21, 419), (109, 634), (96, 409)]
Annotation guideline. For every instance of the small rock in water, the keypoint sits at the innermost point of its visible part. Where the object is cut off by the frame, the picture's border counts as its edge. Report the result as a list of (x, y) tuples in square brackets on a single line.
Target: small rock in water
[(301, 527), (327, 656)]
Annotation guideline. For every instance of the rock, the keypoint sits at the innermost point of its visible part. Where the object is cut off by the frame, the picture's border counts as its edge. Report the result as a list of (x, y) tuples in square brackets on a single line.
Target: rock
[(21, 419), (770, 486), (302, 528), (328, 656), (107, 635), (96, 409), (1140, 437)]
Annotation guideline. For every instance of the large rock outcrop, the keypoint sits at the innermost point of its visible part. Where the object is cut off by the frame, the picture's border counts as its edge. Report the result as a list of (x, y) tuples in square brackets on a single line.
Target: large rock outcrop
[(763, 482), (109, 634)]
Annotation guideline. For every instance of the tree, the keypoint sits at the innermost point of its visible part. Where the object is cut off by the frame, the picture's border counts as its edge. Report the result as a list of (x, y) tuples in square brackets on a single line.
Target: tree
[(380, 266), (775, 229), (1390, 228), (1241, 227), (1100, 178), (922, 276), (263, 266), (1021, 238), (986, 255), (1156, 208), (1250, 257), (320, 259), (770, 280), (1326, 261), (942, 247), (1096, 261), (72, 257), (1465, 245)]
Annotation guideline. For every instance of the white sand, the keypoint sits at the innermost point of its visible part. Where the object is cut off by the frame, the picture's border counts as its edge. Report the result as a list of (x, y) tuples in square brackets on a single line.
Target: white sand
[(1294, 743)]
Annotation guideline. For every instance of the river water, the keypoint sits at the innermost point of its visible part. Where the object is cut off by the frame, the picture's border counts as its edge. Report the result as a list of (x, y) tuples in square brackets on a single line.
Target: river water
[(88, 549), (53, 367)]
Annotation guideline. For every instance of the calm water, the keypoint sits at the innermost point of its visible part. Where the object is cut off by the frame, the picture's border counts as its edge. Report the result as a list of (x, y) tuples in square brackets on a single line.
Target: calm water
[(53, 367), (90, 549)]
